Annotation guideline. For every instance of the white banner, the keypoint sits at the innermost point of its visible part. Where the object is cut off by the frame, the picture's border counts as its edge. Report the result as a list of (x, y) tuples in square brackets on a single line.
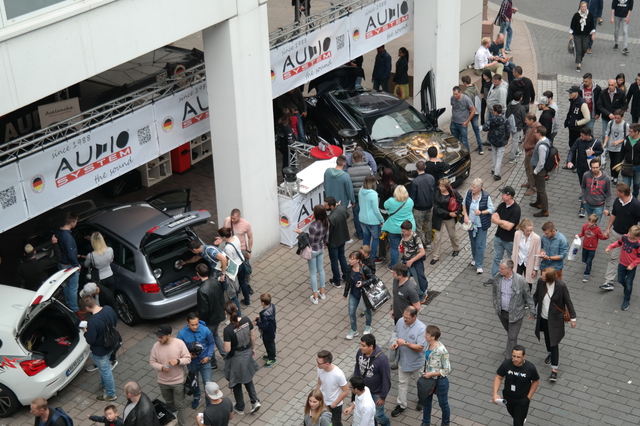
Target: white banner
[(13, 210), (379, 23), (182, 117), (309, 56), (297, 213), (71, 168)]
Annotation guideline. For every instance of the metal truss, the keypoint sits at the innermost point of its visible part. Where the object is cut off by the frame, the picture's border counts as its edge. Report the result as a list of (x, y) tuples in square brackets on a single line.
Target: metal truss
[(315, 20), (105, 113)]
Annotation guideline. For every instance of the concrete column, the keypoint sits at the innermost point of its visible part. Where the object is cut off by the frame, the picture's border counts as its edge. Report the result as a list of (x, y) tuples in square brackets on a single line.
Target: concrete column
[(437, 46), (239, 86)]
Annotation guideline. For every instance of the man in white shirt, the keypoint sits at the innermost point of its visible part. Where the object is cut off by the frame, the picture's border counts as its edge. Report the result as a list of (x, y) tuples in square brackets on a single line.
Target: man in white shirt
[(365, 408), (482, 58), (333, 385)]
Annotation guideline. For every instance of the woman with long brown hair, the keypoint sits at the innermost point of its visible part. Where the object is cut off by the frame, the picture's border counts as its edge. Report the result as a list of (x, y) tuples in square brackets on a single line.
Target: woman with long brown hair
[(318, 236), (240, 366), (316, 412), (445, 215)]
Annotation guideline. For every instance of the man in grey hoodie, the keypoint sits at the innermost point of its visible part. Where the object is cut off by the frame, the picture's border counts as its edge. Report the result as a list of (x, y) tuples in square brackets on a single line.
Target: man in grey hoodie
[(497, 94), (517, 110), (337, 183), (472, 92)]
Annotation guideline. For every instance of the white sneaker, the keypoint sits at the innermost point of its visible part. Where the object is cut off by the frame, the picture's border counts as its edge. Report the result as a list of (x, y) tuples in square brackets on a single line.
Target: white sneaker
[(473, 263), (367, 330), (479, 271), (255, 407), (113, 364), (351, 335), (322, 296), (313, 300)]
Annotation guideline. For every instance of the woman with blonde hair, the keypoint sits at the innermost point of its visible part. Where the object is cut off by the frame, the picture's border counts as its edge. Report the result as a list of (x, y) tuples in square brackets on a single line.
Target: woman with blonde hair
[(316, 412), (526, 244), (399, 208), (100, 258)]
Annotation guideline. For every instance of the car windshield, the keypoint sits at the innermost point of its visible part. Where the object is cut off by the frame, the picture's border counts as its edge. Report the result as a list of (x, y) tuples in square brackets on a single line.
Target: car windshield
[(396, 123)]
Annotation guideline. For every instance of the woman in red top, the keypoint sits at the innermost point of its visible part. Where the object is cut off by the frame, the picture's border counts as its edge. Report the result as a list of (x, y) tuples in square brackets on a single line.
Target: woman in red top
[(629, 260)]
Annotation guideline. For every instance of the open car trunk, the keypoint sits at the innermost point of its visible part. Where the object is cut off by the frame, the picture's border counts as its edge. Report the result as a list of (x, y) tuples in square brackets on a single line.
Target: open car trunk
[(163, 256), (51, 332)]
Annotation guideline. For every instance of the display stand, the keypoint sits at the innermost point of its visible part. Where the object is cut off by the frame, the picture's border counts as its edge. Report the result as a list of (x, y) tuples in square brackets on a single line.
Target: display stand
[(156, 170), (201, 148)]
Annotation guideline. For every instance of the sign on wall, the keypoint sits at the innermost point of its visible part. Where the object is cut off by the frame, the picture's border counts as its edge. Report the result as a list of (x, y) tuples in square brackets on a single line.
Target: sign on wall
[(182, 117), (68, 169), (309, 56), (13, 209)]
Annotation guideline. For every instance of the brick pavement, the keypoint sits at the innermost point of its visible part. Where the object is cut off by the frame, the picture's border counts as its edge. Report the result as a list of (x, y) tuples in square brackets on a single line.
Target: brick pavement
[(598, 381)]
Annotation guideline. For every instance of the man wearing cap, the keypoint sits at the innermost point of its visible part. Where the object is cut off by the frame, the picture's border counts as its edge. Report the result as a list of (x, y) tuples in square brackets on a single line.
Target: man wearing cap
[(548, 114), (168, 357), (32, 272), (578, 114), (199, 341), (507, 217), (219, 409)]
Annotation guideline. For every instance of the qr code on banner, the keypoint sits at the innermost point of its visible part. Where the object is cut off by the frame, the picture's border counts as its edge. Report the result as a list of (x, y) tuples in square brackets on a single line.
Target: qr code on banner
[(8, 197), (340, 41), (144, 135)]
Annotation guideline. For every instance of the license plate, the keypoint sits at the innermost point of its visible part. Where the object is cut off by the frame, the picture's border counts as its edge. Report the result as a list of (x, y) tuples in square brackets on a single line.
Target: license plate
[(75, 365), (452, 179)]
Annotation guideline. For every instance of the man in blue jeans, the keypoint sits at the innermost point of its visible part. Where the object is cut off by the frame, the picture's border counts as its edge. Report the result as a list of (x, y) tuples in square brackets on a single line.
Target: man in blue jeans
[(507, 217), (199, 341), (373, 366), (504, 18), (94, 335), (338, 236), (69, 259), (463, 111)]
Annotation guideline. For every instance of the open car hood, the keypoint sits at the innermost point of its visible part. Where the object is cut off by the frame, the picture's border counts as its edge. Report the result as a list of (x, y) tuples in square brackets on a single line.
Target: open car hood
[(414, 147)]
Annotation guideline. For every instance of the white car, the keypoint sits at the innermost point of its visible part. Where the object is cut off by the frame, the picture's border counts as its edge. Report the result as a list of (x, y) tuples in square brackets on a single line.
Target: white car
[(41, 347)]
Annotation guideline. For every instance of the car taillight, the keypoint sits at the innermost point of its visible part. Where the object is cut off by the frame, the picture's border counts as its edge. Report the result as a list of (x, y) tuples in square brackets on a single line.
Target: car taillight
[(150, 288), (37, 301), (33, 366), (152, 230)]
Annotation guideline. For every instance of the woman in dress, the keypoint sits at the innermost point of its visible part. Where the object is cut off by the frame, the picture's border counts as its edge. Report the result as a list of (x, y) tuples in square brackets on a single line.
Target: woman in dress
[(370, 216), (318, 235), (552, 298), (582, 29), (385, 191), (437, 365), (233, 250), (477, 209), (239, 365), (401, 77), (526, 244), (101, 258), (399, 208), (443, 216), (316, 412), (356, 275)]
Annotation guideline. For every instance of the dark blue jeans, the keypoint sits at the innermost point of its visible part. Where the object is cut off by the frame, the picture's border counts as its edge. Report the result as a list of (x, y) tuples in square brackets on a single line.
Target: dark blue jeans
[(371, 237), (244, 287), (356, 220), (587, 257), (380, 417), (442, 390), (625, 277), (205, 372), (338, 261), (394, 242), (416, 270)]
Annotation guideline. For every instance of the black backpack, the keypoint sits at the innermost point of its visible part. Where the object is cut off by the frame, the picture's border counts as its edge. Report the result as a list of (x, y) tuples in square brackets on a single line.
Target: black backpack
[(191, 384), (111, 335), (553, 158)]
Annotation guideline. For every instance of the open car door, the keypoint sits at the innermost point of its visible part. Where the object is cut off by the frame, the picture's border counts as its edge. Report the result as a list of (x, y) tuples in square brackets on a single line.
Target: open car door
[(428, 99), (172, 202)]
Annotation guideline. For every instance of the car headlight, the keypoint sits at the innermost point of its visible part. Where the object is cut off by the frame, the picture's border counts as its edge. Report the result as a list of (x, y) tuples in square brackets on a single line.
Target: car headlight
[(157, 273)]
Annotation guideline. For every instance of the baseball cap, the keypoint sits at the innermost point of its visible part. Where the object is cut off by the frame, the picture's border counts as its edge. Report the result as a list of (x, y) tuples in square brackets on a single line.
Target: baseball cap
[(163, 330), (508, 190), (213, 390), (573, 89), (89, 289), (543, 100)]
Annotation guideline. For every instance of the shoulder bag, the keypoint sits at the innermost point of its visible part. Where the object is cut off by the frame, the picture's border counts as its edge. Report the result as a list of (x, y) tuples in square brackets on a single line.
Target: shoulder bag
[(565, 314), (245, 265), (453, 205), (425, 386), (383, 236), (375, 293), (93, 274)]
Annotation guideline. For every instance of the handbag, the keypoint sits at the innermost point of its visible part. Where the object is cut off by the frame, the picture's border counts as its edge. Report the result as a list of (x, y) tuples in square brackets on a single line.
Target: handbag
[(565, 314), (571, 47), (306, 253), (164, 414), (453, 205), (245, 264), (93, 274), (375, 293), (425, 386)]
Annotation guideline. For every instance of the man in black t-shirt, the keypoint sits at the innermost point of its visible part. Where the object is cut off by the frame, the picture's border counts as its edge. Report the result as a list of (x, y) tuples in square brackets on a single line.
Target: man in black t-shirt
[(507, 217), (521, 381), (221, 409)]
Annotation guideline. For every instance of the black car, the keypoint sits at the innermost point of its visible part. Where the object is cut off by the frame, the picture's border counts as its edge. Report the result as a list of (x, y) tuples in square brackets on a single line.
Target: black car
[(394, 132)]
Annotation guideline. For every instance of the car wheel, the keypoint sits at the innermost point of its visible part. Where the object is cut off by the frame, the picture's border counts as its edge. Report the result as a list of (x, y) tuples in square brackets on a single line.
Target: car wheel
[(8, 402), (311, 131), (126, 311)]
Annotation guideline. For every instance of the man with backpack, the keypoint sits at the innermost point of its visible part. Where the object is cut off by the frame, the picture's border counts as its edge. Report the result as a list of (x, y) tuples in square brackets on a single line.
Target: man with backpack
[(98, 332), (46, 416), (498, 137), (541, 153)]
